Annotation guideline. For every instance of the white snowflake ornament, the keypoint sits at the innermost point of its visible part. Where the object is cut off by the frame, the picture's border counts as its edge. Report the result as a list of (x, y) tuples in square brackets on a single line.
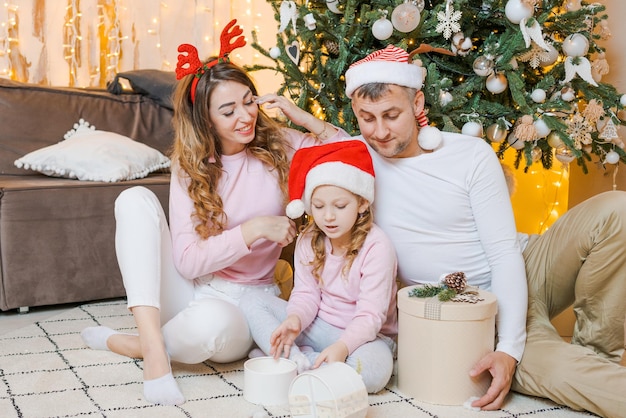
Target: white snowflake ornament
[(448, 21)]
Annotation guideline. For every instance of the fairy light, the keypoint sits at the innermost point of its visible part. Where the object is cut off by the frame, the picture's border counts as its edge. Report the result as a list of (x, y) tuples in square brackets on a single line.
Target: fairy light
[(8, 22), (71, 40)]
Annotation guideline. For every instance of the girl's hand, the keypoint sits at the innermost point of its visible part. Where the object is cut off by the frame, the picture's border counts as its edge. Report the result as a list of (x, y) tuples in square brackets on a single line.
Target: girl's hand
[(279, 229), (296, 115), (334, 352), (284, 336)]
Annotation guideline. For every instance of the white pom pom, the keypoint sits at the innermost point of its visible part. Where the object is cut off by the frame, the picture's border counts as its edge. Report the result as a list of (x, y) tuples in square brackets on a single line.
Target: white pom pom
[(429, 138), (295, 209)]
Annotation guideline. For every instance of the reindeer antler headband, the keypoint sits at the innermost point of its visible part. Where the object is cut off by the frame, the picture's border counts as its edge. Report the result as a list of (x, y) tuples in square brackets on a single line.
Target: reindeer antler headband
[(189, 62)]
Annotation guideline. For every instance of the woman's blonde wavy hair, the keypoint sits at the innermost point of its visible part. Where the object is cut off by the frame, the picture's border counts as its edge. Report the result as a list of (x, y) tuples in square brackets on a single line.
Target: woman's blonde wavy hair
[(359, 232), (197, 149)]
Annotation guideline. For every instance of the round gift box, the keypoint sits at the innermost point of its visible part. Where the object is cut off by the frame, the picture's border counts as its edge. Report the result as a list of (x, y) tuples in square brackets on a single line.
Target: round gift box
[(334, 390), (440, 342), (266, 380)]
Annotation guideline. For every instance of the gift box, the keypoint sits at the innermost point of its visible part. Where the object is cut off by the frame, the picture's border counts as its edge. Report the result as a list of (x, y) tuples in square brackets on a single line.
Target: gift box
[(333, 390), (266, 380), (439, 343)]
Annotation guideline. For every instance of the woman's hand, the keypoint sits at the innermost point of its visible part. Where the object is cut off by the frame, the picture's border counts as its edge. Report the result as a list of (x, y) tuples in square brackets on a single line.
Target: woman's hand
[(334, 352), (284, 336), (279, 229)]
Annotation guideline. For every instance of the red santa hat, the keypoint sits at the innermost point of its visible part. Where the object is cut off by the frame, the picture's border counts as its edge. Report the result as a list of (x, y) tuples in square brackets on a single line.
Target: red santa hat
[(345, 164), (390, 65)]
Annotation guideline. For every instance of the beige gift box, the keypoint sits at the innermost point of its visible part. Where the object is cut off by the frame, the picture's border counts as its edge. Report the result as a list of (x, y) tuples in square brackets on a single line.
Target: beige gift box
[(440, 342)]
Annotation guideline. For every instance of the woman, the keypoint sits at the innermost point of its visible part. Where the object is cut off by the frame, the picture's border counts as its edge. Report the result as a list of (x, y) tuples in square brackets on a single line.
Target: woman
[(230, 164)]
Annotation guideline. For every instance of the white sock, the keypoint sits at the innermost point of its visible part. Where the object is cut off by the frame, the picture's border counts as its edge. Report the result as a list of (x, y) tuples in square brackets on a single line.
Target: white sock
[(256, 352), (163, 391), (96, 337), (302, 362)]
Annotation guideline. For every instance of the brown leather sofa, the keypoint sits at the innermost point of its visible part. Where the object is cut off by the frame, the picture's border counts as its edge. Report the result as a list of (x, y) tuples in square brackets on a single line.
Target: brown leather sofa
[(57, 235)]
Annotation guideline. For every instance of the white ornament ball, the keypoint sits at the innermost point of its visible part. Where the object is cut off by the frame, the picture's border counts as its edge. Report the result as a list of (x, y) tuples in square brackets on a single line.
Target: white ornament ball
[(496, 83), (274, 52), (538, 95), (568, 94), (612, 157), (405, 17), (550, 56), (515, 142), (576, 45), (333, 6), (429, 138), (572, 5), (483, 66), (445, 97), (554, 140), (382, 29), (564, 154), (622, 100), (542, 128), (472, 129), (496, 133), (515, 11)]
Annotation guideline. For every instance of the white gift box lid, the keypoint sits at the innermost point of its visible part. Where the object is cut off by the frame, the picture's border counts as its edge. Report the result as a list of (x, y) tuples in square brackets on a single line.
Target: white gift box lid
[(333, 390)]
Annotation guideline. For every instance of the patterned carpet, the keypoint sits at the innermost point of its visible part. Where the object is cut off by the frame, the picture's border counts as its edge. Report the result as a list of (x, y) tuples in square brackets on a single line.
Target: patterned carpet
[(46, 371)]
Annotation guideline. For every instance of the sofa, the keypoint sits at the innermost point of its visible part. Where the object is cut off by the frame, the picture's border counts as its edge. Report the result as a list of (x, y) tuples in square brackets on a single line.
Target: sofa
[(57, 234)]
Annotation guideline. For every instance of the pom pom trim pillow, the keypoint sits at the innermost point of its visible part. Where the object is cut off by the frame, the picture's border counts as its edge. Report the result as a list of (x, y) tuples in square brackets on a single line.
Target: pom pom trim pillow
[(89, 154)]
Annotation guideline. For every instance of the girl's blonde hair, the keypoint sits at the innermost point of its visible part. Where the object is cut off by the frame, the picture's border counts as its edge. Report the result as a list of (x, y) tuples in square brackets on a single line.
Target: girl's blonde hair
[(197, 149), (359, 232)]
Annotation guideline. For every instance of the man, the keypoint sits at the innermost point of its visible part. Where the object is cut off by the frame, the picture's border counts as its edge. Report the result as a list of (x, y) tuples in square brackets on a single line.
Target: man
[(443, 200)]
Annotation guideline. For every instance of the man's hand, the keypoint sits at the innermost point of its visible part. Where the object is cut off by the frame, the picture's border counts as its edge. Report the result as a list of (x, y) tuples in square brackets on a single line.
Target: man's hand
[(501, 366), (334, 352)]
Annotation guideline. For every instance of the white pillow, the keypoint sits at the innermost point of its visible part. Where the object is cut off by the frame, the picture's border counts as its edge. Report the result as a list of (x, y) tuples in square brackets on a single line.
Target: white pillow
[(88, 154)]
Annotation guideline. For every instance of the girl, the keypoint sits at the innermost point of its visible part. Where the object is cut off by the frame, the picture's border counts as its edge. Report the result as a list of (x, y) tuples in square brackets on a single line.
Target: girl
[(343, 305), (227, 225)]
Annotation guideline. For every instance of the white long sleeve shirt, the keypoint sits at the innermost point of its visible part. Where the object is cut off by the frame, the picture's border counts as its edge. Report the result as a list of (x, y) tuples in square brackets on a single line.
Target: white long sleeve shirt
[(449, 210)]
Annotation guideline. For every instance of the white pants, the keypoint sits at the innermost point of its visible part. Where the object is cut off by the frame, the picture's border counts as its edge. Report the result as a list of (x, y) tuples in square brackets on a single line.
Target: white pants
[(201, 321)]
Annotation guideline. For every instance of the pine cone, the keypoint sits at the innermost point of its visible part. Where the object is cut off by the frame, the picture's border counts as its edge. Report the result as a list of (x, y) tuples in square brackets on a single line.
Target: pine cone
[(332, 47), (455, 281)]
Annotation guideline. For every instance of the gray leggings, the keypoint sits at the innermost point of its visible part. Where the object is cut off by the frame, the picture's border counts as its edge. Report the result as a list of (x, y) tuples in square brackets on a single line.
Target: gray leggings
[(373, 360)]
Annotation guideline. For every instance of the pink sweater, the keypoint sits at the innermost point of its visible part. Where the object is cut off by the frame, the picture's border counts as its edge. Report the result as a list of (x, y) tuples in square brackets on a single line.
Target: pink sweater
[(363, 303), (248, 190)]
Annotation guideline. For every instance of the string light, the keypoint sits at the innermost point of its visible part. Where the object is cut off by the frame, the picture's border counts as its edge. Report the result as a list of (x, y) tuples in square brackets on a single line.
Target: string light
[(8, 23)]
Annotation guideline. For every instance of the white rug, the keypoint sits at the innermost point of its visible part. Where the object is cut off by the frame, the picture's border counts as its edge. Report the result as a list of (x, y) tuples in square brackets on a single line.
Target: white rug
[(46, 371)]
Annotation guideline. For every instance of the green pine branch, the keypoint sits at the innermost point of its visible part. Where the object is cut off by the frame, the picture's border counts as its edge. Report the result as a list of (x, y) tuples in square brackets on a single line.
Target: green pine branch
[(317, 83)]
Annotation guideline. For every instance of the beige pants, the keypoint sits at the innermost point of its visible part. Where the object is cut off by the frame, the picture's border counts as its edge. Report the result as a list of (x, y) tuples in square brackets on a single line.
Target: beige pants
[(579, 261)]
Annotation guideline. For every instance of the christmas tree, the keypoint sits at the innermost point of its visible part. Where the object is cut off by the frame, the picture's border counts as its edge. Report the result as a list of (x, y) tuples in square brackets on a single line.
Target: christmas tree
[(524, 74)]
